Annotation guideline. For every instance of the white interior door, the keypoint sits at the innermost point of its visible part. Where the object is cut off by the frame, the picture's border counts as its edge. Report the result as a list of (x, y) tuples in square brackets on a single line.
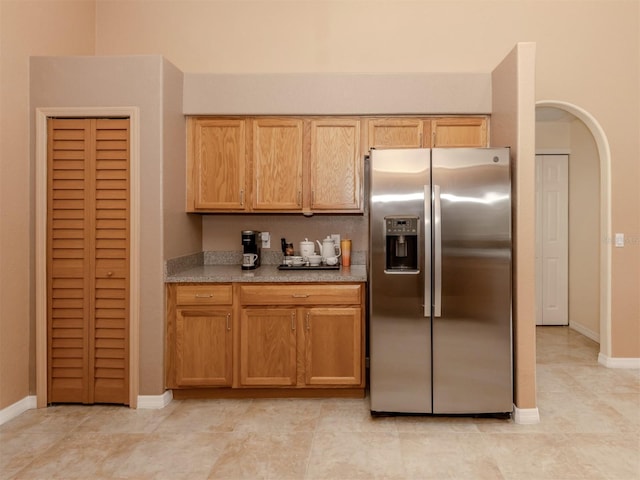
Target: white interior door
[(552, 239)]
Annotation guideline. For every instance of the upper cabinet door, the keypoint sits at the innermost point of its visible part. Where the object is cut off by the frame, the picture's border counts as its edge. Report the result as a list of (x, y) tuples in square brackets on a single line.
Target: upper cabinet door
[(399, 133), (336, 165), (216, 164), (277, 164), (460, 132)]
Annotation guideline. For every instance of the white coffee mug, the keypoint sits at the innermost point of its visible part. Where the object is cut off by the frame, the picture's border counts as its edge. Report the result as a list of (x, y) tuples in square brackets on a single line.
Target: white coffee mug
[(249, 259)]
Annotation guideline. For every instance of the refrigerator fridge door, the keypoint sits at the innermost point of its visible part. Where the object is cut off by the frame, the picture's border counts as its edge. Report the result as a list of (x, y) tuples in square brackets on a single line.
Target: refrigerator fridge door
[(400, 333), (472, 369)]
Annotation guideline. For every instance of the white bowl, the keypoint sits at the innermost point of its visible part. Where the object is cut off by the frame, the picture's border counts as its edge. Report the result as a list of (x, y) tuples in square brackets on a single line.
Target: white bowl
[(315, 259)]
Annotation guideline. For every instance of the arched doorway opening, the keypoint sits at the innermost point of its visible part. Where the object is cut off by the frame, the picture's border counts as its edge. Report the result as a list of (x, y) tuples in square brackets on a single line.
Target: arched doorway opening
[(604, 154)]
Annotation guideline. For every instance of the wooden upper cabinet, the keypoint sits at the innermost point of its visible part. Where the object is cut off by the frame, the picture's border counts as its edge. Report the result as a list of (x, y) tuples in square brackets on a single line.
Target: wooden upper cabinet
[(277, 164), (336, 166), (399, 133), (216, 164), (303, 164), (459, 132)]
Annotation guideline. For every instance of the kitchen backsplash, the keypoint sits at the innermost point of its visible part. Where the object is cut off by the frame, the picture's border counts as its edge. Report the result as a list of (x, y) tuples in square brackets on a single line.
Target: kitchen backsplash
[(222, 233)]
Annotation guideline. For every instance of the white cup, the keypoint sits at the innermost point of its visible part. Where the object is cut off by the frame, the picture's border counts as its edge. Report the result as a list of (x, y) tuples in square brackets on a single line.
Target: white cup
[(249, 259), (331, 261)]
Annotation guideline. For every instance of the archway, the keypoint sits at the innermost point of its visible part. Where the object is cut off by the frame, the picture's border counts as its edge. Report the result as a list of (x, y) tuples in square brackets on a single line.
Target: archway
[(604, 153)]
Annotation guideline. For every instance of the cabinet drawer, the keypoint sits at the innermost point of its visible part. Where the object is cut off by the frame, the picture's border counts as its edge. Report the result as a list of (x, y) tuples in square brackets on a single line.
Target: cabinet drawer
[(206, 294), (288, 294)]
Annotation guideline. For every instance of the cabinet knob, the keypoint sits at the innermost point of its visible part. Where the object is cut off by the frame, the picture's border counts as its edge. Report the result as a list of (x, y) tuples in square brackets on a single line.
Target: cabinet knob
[(109, 274)]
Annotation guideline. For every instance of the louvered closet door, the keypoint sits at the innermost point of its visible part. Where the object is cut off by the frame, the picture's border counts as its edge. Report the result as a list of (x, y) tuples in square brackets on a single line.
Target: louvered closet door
[(88, 260)]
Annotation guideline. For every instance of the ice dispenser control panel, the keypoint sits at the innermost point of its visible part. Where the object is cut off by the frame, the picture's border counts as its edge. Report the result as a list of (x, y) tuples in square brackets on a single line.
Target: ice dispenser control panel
[(402, 226), (401, 234)]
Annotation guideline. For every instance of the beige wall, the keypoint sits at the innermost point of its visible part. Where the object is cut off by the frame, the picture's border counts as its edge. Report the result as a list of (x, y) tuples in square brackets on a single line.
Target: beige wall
[(513, 125), (584, 231), (18, 40), (598, 72)]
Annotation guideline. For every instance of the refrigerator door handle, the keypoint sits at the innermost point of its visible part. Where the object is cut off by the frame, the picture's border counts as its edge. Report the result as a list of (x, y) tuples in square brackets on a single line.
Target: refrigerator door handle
[(437, 252), (427, 252)]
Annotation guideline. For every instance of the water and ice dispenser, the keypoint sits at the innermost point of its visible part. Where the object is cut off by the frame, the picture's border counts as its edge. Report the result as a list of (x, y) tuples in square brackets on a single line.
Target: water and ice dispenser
[(401, 234)]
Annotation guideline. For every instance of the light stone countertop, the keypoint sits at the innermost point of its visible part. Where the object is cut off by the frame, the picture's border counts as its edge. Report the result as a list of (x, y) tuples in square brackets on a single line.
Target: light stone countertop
[(265, 273)]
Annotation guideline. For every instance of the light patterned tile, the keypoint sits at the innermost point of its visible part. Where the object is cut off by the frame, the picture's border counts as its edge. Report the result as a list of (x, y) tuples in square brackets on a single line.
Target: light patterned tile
[(204, 416), (352, 416), (18, 450), (78, 455), (164, 456), (263, 455), (614, 456), (280, 415), (448, 456), (355, 455), (538, 456)]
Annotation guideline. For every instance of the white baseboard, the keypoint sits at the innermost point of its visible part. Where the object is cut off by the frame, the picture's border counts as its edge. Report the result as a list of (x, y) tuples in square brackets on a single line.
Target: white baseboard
[(618, 362), (21, 406), (526, 416), (155, 401), (587, 332)]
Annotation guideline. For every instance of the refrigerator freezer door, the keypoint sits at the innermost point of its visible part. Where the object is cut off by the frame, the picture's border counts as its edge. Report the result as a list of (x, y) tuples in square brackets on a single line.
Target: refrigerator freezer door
[(400, 334), (472, 368)]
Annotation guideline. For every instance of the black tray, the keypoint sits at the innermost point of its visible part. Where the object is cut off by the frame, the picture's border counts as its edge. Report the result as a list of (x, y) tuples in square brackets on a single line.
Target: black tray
[(308, 267)]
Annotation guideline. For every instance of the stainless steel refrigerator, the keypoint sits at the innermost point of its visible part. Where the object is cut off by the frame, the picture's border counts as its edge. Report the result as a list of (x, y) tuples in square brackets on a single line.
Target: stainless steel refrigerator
[(440, 281)]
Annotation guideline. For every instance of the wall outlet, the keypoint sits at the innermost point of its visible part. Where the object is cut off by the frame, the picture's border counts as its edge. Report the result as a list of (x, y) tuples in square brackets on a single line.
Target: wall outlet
[(619, 240), (336, 238), (266, 240)]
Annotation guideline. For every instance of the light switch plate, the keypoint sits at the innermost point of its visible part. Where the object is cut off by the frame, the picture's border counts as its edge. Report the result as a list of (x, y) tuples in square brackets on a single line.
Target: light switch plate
[(266, 240), (336, 238), (619, 240)]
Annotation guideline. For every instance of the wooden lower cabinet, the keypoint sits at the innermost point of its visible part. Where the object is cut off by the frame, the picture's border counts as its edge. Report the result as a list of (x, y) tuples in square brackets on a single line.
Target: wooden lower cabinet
[(333, 346), (268, 346), (204, 347), (199, 348), (281, 340)]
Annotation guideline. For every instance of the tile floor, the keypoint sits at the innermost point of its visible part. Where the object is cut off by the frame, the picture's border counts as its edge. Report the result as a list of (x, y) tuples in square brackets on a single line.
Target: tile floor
[(589, 429)]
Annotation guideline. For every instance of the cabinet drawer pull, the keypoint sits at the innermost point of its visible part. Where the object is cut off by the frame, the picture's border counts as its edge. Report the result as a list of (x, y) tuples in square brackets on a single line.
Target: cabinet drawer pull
[(228, 321), (300, 295), (299, 197), (242, 198), (204, 295), (293, 321), (308, 322)]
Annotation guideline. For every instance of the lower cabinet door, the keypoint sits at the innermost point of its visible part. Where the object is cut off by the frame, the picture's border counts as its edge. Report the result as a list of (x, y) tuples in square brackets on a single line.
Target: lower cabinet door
[(268, 346), (204, 347), (333, 346)]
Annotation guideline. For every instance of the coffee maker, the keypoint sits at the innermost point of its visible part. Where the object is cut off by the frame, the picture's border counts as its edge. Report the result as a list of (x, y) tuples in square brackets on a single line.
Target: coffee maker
[(250, 249)]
